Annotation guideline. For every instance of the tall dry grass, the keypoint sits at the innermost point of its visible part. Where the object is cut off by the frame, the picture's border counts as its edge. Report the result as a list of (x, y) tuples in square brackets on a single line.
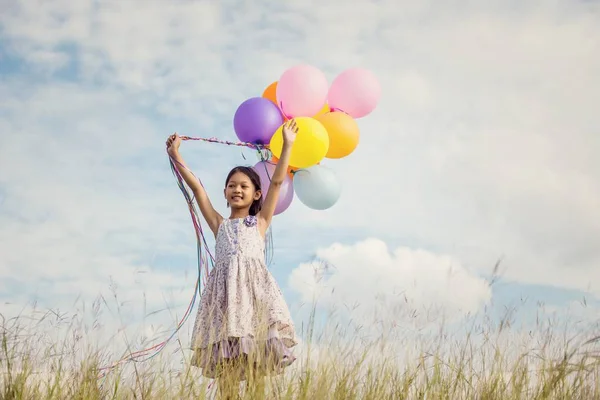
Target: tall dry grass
[(49, 355)]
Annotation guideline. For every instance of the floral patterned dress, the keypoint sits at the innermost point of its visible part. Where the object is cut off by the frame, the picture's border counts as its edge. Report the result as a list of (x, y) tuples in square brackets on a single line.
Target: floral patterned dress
[(242, 312)]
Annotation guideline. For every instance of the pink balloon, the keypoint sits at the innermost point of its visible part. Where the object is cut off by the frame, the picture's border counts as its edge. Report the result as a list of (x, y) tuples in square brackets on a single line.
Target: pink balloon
[(302, 91), (355, 91)]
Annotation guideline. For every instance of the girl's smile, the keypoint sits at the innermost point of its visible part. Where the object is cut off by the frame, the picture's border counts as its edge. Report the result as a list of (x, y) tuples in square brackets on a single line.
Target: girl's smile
[(240, 191)]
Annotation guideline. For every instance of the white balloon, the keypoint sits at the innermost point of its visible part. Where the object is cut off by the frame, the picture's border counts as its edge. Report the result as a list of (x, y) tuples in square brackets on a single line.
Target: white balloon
[(317, 187)]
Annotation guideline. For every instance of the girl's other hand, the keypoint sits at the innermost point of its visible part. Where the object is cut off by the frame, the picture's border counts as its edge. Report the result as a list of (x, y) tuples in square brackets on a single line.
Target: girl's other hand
[(290, 130), (173, 143)]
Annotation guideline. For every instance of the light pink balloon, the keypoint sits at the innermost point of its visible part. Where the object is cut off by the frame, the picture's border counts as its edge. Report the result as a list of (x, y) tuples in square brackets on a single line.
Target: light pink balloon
[(355, 91), (302, 91)]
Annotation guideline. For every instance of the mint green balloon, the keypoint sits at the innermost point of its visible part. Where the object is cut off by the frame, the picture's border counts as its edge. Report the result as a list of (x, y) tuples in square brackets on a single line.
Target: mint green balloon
[(317, 187)]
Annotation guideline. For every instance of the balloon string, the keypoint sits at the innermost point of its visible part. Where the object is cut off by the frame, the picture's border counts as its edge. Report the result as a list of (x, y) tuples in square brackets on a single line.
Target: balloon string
[(283, 112), (333, 109), (204, 259), (227, 142)]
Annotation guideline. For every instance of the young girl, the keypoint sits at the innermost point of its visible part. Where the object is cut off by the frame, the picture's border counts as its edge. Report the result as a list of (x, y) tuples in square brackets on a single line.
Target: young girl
[(243, 329)]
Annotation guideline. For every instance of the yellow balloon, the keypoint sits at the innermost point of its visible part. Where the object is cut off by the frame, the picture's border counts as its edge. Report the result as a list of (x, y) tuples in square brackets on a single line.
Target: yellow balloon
[(310, 147), (343, 133)]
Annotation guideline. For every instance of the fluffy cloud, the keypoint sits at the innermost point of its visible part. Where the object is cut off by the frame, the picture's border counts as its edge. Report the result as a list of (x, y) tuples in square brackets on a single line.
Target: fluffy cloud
[(368, 282)]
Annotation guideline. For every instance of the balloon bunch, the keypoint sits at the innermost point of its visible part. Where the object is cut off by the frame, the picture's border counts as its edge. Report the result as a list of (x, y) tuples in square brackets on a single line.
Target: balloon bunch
[(326, 118)]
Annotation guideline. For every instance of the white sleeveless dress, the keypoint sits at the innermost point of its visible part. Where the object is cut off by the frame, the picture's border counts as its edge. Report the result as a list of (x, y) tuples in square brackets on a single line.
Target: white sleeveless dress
[(242, 311)]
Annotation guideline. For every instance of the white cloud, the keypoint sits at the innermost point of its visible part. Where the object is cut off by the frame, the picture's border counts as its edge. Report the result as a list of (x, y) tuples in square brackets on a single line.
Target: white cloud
[(369, 282)]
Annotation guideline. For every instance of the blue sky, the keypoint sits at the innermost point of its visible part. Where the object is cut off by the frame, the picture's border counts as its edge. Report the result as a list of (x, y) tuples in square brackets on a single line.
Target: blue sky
[(482, 147)]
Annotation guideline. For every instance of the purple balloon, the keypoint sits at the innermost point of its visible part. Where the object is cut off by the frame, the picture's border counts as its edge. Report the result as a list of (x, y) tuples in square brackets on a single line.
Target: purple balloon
[(265, 170), (256, 120)]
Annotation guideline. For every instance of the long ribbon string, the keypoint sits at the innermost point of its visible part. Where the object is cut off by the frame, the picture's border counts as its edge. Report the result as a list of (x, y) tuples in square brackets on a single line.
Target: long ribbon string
[(204, 258), (215, 140)]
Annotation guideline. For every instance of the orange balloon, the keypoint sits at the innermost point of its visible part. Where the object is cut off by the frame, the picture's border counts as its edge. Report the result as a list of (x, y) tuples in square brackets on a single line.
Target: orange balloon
[(271, 93), (290, 170), (343, 133)]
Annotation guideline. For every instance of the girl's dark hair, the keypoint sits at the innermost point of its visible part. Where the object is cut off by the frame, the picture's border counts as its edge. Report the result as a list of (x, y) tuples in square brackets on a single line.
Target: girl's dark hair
[(255, 179)]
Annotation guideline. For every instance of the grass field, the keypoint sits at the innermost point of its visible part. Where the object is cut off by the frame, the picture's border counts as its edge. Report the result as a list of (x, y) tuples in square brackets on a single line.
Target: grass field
[(47, 355)]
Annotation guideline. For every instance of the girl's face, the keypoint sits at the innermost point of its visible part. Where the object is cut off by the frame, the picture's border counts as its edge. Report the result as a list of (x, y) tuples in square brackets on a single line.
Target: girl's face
[(240, 192)]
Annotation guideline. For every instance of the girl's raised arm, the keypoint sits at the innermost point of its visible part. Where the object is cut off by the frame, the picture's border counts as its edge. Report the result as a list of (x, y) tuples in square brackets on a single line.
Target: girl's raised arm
[(212, 217), (290, 129)]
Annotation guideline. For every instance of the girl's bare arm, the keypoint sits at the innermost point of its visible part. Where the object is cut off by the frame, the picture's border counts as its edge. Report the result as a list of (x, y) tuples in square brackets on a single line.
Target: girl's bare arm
[(212, 217)]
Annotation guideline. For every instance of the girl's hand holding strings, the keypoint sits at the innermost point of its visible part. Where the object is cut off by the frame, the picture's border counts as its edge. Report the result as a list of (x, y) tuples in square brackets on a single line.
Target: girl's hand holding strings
[(173, 143), (212, 217)]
